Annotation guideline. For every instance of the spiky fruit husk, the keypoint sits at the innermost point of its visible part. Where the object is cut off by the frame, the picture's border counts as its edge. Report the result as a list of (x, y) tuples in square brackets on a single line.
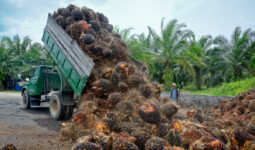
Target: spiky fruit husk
[(95, 25), (207, 142), (77, 15), (174, 138), (127, 127), (124, 141), (122, 69), (115, 79), (169, 110), (109, 27), (8, 147), (238, 139), (149, 113), (251, 130), (114, 99), (156, 89), (106, 73), (126, 108), (102, 18), (86, 145), (112, 122), (69, 20), (61, 21), (134, 81), (96, 50), (162, 130), (107, 53), (102, 87), (141, 138), (120, 47), (122, 87), (71, 7), (87, 38), (217, 133), (156, 143), (146, 90), (66, 13)]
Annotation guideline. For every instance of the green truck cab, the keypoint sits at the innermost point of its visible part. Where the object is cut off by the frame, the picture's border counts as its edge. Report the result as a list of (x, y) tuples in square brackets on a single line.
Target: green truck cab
[(60, 85)]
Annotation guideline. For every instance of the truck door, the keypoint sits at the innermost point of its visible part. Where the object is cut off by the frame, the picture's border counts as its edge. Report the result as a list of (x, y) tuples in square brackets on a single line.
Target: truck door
[(35, 86)]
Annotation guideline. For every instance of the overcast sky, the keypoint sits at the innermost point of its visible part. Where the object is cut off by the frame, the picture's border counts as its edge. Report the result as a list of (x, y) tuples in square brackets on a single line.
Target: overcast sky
[(215, 17)]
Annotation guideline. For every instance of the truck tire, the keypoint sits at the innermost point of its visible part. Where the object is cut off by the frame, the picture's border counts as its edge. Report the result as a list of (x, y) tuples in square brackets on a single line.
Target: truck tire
[(57, 110), (69, 111), (26, 100)]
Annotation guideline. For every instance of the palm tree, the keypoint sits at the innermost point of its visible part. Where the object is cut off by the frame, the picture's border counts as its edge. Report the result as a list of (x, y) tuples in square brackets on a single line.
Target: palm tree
[(171, 43), (238, 51), (196, 56)]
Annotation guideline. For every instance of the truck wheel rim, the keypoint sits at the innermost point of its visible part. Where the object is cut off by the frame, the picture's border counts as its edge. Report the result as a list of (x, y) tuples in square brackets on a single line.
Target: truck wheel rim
[(54, 106)]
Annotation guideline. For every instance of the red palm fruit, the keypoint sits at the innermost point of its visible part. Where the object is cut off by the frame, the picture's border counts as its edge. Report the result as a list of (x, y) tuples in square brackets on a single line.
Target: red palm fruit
[(149, 113), (79, 117)]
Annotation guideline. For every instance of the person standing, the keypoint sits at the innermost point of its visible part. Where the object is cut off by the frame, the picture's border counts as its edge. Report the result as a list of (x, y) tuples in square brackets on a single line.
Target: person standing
[(174, 93)]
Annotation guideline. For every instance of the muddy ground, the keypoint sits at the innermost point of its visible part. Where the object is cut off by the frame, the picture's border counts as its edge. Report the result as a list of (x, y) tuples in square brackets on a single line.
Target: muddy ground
[(27, 129)]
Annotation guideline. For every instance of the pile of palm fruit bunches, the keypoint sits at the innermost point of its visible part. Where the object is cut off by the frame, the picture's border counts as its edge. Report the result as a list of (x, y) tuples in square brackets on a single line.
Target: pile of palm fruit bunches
[(121, 108)]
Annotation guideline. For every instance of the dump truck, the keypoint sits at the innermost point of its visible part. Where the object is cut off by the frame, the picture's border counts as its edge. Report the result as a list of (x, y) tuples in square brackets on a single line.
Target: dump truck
[(62, 84)]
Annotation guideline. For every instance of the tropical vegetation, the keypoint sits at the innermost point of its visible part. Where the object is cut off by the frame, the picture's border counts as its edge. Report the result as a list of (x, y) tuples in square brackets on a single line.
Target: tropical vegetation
[(177, 55)]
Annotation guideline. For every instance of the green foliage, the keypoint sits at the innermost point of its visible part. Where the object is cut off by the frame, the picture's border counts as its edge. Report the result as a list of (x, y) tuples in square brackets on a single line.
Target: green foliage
[(18, 56), (168, 78), (175, 55), (229, 89)]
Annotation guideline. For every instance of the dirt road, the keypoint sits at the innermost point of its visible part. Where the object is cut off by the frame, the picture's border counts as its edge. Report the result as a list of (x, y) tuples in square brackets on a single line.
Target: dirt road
[(27, 129)]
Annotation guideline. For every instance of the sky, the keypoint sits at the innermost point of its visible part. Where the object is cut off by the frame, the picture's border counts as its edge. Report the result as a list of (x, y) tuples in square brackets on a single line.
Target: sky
[(214, 17)]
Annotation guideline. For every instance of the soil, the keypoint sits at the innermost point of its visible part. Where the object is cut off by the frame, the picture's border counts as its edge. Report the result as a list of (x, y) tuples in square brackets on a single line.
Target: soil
[(28, 129)]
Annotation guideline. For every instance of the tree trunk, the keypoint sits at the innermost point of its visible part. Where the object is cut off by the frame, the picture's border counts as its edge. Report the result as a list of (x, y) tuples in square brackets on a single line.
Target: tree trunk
[(198, 77), (238, 73)]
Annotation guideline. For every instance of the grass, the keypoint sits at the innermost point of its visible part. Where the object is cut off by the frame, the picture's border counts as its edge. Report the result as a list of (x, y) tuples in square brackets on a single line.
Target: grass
[(226, 89)]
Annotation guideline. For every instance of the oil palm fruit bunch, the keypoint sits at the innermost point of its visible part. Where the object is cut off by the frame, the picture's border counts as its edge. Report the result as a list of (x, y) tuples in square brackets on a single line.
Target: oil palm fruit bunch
[(112, 122), (149, 113), (169, 110), (146, 90), (86, 145), (115, 79), (134, 81), (122, 87), (156, 143), (87, 38), (122, 69), (239, 139), (174, 138), (124, 141), (106, 73), (8, 147), (102, 87), (207, 142), (114, 98), (141, 138)]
